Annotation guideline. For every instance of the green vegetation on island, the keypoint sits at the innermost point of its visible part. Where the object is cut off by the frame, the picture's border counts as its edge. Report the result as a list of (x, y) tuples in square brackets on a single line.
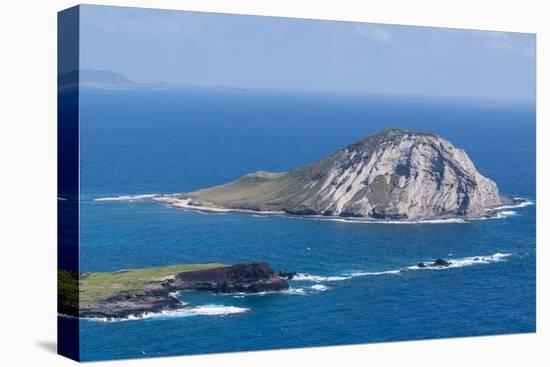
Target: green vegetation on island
[(134, 292), (94, 287), (99, 286)]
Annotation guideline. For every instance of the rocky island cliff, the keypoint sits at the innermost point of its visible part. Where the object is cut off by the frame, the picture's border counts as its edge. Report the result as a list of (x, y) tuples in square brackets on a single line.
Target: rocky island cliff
[(395, 174), (136, 292)]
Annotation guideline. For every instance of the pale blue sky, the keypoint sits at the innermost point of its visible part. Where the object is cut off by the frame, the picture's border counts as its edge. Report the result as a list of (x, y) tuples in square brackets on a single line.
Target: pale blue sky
[(189, 48)]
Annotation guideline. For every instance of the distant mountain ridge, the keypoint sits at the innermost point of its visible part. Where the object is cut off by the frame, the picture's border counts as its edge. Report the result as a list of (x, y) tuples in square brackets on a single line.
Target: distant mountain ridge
[(110, 80), (104, 79)]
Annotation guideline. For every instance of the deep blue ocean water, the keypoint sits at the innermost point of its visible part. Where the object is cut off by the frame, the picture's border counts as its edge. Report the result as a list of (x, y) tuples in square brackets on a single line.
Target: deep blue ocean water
[(147, 142)]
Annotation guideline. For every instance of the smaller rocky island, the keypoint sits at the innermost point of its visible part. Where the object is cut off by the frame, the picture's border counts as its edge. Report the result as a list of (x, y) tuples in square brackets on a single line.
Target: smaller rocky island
[(135, 292)]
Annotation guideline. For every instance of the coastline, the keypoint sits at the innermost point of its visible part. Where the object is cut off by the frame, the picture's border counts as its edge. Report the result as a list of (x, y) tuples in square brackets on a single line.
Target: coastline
[(159, 300), (175, 201), (139, 293)]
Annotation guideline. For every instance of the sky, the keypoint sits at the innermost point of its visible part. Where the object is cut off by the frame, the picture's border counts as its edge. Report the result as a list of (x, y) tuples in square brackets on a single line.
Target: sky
[(208, 49)]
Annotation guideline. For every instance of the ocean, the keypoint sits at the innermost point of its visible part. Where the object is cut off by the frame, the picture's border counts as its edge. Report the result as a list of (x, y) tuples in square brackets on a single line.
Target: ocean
[(357, 282)]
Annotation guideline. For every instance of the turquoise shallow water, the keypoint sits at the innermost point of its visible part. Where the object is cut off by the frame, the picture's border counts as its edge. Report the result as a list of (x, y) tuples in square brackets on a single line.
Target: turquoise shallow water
[(356, 285)]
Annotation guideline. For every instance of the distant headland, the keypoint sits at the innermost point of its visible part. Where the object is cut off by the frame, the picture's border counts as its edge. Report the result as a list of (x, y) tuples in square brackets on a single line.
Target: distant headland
[(110, 80)]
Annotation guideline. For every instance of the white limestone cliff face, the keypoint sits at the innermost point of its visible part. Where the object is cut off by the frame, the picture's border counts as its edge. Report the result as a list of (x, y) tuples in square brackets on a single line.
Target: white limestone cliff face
[(395, 174), (404, 175)]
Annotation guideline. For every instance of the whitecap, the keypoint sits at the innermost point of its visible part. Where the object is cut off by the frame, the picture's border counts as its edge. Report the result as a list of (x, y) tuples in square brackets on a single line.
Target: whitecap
[(455, 263), (507, 213), (216, 310), (467, 261), (523, 204), (205, 310), (319, 287), (379, 221), (128, 197), (367, 273), (299, 291), (318, 278)]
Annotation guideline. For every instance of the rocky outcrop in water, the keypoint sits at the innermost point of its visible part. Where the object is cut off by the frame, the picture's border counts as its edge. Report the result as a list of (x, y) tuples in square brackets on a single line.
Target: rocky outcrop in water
[(439, 263), (395, 174), (159, 295)]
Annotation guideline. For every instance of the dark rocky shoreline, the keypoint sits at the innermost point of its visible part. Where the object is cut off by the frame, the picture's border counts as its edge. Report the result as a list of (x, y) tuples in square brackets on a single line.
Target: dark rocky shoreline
[(507, 202), (158, 296)]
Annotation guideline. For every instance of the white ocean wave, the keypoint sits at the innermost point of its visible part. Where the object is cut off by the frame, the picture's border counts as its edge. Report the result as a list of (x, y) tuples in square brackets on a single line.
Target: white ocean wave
[(367, 273), (128, 197), (305, 277), (523, 204), (455, 263), (290, 290), (377, 221), (319, 287), (506, 213), (216, 310), (467, 261), (318, 278), (299, 291), (205, 310)]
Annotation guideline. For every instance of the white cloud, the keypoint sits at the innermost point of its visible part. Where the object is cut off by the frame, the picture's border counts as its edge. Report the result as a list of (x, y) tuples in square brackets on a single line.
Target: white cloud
[(373, 32)]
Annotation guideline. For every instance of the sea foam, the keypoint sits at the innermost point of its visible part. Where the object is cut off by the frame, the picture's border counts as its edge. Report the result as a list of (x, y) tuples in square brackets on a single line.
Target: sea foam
[(366, 273), (319, 287), (455, 263), (467, 261), (318, 278), (204, 310), (128, 197), (523, 204), (170, 199)]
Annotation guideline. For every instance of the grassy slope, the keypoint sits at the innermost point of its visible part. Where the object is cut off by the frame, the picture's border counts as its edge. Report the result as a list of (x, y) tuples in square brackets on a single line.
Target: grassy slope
[(269, 191), (249, 191), (292, 191), (95, 287)]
